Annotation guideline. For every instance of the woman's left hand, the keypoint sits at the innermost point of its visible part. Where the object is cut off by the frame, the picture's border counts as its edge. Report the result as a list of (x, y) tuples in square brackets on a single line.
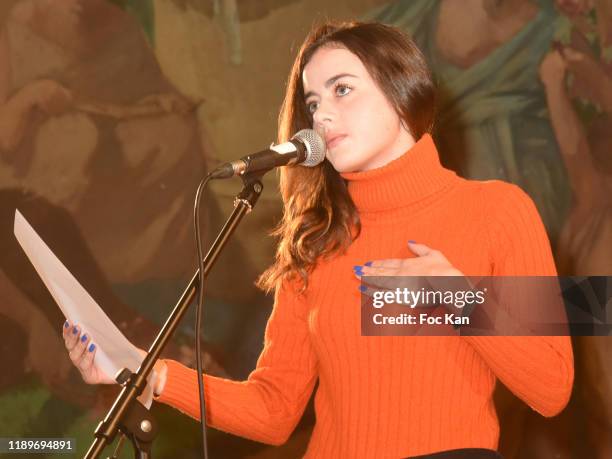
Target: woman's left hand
[(428, 262), (552, 70)]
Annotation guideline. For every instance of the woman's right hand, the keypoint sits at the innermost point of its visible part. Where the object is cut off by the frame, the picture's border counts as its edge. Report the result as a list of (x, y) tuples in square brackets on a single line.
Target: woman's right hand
[(82, 353), (49, 96)]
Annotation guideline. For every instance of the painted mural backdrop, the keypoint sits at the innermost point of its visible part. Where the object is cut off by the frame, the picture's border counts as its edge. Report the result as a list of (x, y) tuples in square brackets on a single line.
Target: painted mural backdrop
[(112, 111)]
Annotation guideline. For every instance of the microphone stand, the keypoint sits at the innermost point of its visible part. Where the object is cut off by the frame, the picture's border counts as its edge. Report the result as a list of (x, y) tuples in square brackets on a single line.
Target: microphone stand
[(127, 414)]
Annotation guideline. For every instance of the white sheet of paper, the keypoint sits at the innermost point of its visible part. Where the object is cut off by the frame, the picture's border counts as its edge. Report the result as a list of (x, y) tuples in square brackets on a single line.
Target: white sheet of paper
[(114, 351)]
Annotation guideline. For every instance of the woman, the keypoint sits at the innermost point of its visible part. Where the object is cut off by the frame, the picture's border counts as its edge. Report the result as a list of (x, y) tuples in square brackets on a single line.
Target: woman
[(577, 78), (367, 88), (90, 131)]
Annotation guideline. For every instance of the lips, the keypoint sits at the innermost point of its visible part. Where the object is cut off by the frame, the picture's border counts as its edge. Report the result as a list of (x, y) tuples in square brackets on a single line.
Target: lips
[(333, 140)]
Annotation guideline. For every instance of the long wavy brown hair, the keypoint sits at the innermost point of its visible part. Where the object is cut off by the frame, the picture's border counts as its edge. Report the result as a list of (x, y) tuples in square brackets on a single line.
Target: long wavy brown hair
[(319, 216)]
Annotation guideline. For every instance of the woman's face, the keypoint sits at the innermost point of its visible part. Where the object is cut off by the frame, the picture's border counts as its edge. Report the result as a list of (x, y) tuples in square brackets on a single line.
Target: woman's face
[(76, 24), (361, 128)]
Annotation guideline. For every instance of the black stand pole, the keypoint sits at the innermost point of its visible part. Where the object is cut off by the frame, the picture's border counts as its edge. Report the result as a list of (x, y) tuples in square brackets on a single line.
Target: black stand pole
[(127, 413)]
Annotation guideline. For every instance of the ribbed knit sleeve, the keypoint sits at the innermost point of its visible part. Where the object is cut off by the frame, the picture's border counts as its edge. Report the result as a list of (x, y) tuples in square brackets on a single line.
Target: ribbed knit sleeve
[(538, 369), (268, 405)]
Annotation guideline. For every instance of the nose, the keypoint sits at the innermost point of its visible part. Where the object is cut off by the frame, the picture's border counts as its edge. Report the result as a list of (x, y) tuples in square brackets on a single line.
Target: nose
[(325, 115)]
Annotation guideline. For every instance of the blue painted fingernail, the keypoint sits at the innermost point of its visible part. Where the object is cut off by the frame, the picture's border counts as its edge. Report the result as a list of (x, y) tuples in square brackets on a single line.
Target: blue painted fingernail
[(362, 288), (92, 346), (368, 263), (66, 324), (83, 338), (75, 330), (412, 242)]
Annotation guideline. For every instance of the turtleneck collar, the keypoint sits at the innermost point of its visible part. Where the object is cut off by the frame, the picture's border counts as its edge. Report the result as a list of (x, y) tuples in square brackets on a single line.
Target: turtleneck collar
[(413, 176)]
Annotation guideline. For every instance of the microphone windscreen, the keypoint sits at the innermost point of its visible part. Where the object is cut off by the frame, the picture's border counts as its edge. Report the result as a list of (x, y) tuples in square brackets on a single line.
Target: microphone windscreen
[(315, 147)]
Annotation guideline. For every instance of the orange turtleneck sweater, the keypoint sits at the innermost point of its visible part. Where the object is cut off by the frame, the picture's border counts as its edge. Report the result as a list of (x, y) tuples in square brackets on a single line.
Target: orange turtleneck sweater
[(386, 396)]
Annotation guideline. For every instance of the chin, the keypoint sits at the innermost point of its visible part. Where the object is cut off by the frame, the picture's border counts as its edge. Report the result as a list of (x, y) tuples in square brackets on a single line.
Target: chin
[(344, 166), (345, 162)]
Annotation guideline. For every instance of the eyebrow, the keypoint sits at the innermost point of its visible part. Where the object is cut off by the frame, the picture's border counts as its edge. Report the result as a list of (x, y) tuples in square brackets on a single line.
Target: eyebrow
[(329, 82)]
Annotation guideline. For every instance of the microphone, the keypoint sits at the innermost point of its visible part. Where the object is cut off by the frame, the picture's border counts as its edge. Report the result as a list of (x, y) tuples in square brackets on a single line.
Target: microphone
[(305, 148)]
